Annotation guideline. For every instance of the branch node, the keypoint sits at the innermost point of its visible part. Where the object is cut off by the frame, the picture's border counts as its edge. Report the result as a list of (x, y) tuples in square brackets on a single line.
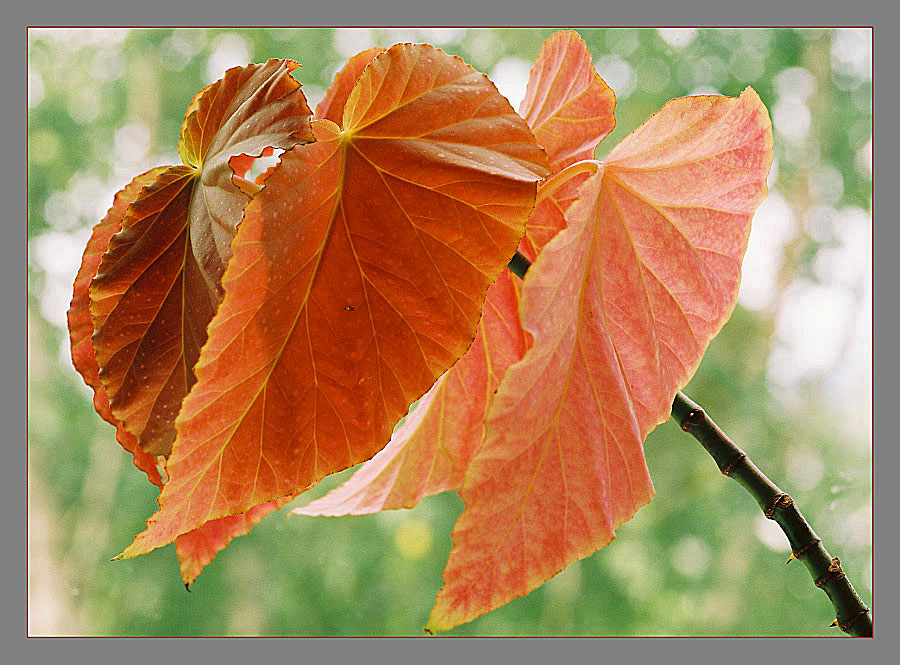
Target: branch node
[(780, 501), (835, 572), (845, 625), (728, 468), (695, 417), (803, 550)]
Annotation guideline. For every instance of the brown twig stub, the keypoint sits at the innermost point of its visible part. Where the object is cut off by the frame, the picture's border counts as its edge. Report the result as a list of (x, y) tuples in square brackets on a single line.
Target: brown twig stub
[(835, 572), (803, 550), (846, 625), (695, 417), (779, 501), (728, 468)]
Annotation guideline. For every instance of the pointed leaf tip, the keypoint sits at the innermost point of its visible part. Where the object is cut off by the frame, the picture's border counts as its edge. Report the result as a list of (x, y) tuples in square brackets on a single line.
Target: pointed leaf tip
[(567, 104), (197, 548), (335, 99)]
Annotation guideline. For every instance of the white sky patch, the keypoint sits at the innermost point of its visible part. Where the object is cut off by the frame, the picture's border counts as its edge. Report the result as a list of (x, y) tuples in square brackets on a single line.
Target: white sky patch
[(81, 205), (770, 534), (350, 41), (848, 264), (826, 185), (858, 530), (864, 159), (848, 269), (804, 468), (791, 118), (81, 37), (772, 178), (510, 75), (400, 36), (442, 36), (677, 37), (851, 52), (810, 330), (772, 227), (314, 94), (618, 74), (795, 82), (58, 254), (132, 142), (690, 557), (35, 88), (790, 115), (228, 50)]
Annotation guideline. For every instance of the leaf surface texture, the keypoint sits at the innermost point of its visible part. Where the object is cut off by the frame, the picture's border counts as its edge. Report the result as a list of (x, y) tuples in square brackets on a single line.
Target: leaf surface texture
[(621, 305), (357, 278)]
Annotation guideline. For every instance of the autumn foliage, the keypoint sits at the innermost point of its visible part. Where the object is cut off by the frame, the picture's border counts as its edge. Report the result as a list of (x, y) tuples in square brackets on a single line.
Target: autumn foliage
[(248, 338)]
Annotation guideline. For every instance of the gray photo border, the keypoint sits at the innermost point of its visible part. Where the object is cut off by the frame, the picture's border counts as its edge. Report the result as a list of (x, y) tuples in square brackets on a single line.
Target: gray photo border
[(575, 13)]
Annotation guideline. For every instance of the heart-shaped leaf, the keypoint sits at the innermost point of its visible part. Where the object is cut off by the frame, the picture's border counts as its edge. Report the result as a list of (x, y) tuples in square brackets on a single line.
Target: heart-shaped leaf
[(358, 276), (430, 452)]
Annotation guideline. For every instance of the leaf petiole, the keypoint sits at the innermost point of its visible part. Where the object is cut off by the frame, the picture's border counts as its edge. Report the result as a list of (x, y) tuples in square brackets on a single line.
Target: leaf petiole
[(557, 180)]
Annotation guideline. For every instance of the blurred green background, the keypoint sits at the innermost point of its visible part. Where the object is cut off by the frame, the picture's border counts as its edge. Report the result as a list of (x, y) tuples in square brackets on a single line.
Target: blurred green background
[(789, 378)]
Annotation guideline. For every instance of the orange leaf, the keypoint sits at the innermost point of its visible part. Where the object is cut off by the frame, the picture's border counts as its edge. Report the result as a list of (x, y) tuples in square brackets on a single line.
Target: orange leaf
[(567, 105), (81, 325), (358, 276), (554, 198), (332, 105), (157, 284), (621, 306), (429, 453), (570, 109), (197, 548)]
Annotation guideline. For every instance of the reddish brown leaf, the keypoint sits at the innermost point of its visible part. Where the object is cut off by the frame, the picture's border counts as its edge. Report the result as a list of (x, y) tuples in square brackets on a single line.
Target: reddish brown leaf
[(358, 277), (81, 325), (430, 452), (621, 306), (567, 105), (332, 105), (248, 110), (199, 547), (152, 297), (150, 308)]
